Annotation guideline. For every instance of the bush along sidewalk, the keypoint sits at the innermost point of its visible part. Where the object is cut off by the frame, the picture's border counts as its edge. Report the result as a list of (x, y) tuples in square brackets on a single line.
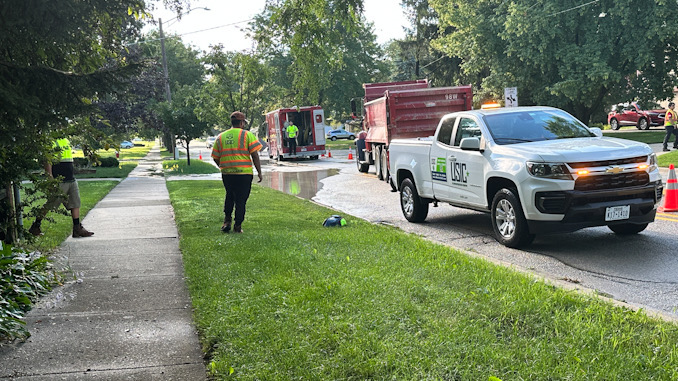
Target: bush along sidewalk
[(24, 277), (291, 299)]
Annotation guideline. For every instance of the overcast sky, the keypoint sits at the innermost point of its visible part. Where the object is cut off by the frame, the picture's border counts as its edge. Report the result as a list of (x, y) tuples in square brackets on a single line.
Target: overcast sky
[(224, 22)]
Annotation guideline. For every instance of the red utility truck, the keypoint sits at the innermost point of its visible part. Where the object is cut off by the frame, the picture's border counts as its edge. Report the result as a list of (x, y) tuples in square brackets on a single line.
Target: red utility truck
[(311, 136), (398, 110)]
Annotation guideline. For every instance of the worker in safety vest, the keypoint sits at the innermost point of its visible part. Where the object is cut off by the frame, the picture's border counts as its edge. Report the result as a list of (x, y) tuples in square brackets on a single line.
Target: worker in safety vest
[(234, 151), (70, 197), (670, 120), (292, 132)]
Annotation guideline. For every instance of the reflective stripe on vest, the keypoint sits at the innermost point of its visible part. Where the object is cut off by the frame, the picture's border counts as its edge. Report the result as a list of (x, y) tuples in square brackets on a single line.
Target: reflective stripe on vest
[(292, 131), (232, 152), (65, 152)]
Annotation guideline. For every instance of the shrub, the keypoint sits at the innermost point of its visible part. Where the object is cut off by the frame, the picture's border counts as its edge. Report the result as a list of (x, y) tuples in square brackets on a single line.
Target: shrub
[(80, 162), (109, 162), (24, 277)]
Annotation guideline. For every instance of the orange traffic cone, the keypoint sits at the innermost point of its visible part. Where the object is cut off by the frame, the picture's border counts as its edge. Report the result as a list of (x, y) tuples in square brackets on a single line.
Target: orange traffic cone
[(671, 194), (200, 155), (329, 153), (350, 153)]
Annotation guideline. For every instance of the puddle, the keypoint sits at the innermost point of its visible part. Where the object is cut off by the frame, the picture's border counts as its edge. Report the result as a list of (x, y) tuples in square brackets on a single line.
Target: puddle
[(300, 184)]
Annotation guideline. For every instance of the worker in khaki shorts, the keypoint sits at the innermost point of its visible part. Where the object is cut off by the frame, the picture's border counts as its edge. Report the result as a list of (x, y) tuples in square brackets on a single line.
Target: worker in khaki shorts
[(69, 186)]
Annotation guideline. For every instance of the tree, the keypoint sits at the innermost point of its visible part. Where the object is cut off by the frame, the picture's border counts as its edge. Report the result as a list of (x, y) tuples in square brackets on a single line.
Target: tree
[(237, 81), (55, 59), (180, 118), (579, 57)]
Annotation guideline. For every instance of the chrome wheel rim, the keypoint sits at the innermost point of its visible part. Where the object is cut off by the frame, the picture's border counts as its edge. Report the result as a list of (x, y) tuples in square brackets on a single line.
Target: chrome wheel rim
[(505, 218), (407, 201)]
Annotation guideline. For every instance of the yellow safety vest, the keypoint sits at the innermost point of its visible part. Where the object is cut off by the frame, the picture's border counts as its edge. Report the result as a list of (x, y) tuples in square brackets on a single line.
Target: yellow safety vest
[(292, 131), (666, 117), (65, 152), (232, 150)]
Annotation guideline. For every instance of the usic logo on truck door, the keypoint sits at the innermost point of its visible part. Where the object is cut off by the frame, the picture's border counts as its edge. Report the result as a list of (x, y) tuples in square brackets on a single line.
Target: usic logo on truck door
[(439, 169)]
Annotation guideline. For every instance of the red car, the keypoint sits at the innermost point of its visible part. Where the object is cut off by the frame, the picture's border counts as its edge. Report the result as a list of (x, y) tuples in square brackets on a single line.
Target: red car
[(631, 114)]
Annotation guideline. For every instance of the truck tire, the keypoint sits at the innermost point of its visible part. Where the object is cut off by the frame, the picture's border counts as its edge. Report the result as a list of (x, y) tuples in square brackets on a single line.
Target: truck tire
[(614, 124), (384, 164), (413, 207), (362, 167), (643, 124), (508, 222), (377, 161), (627, 229)]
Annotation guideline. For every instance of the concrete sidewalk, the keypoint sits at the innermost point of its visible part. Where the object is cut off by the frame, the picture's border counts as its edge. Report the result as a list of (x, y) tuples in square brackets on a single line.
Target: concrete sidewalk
[(126, 314)]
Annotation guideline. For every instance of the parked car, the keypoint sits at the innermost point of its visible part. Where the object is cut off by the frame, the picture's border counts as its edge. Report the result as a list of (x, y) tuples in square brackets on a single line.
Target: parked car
[(340, 134), (126, 144), (631, 114), (210, 141)]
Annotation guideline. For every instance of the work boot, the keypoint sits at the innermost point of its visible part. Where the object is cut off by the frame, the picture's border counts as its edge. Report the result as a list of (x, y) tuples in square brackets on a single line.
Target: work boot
[(237, 229), (35, 229), (80, 231), (226, 227), (666, 149)]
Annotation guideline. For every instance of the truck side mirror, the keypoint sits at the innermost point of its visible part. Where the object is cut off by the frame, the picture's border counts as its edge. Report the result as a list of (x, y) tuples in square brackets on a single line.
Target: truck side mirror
[(470, 144), (353, 107), (597, 131)]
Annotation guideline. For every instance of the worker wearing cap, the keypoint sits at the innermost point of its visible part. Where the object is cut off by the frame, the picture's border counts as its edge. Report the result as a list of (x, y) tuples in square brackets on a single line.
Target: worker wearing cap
[(234, 151), (70, 193), (670, 120), (292, 132)]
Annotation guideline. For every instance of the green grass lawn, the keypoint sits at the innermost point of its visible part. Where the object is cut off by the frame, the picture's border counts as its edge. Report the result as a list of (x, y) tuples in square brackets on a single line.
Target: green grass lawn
[(120, 171), (58, 230), (339, 144), (649, 137), (181, 167), (134, 153), (290, 299)]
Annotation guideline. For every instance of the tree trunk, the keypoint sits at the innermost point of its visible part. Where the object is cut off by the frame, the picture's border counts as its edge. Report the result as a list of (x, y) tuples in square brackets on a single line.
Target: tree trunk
[(188, 153)]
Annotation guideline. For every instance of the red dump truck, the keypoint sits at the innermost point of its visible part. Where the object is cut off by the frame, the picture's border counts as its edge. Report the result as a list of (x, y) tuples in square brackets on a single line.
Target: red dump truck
[(397, 110), (311, 138)]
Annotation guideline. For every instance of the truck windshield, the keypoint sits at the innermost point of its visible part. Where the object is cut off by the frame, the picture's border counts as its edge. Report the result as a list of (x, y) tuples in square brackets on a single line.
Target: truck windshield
[(532, 126)]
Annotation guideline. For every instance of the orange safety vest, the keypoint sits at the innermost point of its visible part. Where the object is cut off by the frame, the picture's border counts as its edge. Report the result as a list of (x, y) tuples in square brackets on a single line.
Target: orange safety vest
[(233, 149)]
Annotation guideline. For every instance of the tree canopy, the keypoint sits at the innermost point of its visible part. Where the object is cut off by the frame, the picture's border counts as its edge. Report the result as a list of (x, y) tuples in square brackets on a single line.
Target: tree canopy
[(579, 57)]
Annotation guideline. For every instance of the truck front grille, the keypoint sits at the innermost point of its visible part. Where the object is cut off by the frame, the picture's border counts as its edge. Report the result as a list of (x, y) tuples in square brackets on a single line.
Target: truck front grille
[(609, 163), (612, 181)]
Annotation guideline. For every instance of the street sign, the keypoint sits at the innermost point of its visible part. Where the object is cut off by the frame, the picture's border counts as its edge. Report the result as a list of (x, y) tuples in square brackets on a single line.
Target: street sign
[(511, 96)]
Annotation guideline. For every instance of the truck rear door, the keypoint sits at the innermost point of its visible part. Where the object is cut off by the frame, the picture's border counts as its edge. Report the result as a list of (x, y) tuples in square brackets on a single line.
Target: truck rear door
[(319, 126)]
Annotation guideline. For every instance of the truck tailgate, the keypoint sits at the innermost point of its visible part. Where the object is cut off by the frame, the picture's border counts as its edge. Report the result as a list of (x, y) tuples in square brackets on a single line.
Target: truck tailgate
[(412, 155)]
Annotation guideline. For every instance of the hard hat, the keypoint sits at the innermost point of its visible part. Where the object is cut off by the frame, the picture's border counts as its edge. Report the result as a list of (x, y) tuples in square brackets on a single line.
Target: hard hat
[(335, 220)]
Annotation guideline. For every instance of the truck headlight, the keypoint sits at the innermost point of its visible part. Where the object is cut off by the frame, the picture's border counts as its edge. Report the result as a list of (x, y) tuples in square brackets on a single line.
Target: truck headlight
[(549, 170), (653, 162)]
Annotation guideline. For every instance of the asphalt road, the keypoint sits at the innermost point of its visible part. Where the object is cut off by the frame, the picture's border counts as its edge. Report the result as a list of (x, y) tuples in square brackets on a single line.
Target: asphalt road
[(639, 270)]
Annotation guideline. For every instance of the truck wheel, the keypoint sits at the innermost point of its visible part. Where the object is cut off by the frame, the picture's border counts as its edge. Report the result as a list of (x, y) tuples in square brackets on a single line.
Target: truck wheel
[(384, 164), (627, 229), (643, 124), (362, 167), (414, 209), (508, 222), (614, 124), (377, 161)]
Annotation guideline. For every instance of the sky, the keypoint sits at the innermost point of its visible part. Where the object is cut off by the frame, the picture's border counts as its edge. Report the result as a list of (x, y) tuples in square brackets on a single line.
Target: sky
[(224, 21)]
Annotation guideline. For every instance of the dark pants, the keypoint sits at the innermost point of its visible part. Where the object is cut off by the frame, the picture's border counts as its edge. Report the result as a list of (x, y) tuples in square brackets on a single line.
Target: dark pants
[(293, 145), (670, 130), (238, 189)]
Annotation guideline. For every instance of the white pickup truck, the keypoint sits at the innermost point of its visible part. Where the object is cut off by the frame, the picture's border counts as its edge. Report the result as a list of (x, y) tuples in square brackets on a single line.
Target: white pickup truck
[(535, 169)]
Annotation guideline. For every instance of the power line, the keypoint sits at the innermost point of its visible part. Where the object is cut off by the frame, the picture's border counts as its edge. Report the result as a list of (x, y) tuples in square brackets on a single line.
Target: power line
[(187, 33), (573, 8)]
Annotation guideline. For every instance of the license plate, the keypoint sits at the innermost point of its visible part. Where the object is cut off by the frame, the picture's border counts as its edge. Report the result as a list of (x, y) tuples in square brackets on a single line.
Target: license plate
[(614, 213)]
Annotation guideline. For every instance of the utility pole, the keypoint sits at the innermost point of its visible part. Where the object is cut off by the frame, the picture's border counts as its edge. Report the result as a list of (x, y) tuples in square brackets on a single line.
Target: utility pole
[(168, 93)]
